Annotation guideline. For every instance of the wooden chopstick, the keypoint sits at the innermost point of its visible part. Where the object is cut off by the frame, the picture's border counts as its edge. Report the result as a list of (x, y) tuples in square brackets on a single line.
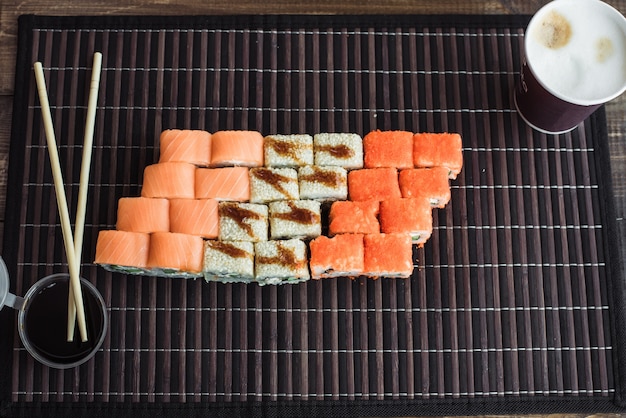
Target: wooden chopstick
[(66, 227), (79, 227)]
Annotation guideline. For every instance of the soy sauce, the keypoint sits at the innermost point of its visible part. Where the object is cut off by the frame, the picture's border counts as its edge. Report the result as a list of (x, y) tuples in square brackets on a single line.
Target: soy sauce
[(45, 324)]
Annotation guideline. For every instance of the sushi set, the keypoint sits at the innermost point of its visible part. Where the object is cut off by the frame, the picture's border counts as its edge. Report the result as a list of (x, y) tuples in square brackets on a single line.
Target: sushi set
[(237, 206)]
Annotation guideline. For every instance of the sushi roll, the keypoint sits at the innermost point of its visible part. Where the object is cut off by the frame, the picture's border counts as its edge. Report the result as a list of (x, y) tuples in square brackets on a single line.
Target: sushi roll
[(340, 256), (438, 150), (323, 182), (270, 184), (407, 215), (176, 255), (143, 214), (185, 145), (348, 216), (338, 149), (281, 262), (225, 183), (243, 222), (388, 255), (373, 183), (295, 219), (194, 217), (239, 148), (388, 149), (228, 261), (431, 184), (170, 180), (288, 150), (123, 251)]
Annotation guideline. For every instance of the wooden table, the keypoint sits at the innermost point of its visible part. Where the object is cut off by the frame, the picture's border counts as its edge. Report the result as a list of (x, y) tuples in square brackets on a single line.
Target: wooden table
[(11, 9)]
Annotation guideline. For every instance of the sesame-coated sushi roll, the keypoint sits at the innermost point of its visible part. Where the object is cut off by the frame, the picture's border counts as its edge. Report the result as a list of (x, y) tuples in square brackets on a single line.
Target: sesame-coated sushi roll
[(295, 219), (338, 149), (431, 184), (185, 145), (360, 217), (243, 222), (373, 183), (340, 256), (224, 183), (388, 149), (407, 215), (323, 182), (270, 184), (240, 148), (143, 214), (281, 262), (228, 261), (388, 255), (194, 217), (288, 150), (438, 150)]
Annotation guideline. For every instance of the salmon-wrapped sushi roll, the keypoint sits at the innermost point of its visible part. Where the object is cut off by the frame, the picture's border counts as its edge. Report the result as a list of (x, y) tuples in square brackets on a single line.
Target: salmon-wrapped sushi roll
[(123, 251), (176, 255), (373, 184), (194, 217), (185, 145), (288, 150), (240, 148), (407, 215), (143, 214), (388, 255), (438, 150), (432, 184), (340, 256), (171, 180), (225, 183), (388, 149), (360, 217)]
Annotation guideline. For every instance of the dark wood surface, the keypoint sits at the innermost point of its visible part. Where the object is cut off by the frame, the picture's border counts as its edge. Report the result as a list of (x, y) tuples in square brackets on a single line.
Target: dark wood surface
[(11, 9)]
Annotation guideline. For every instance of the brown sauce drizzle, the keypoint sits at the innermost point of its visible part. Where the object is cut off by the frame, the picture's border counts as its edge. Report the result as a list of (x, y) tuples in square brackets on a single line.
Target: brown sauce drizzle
[(285, 258), (239, 215), (328, 178), (299, 215), (229, 249), (273, 179), (337, 151), (285, 149)]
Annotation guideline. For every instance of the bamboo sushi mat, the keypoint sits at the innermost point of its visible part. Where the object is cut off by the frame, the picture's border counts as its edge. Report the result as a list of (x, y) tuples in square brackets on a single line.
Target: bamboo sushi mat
[(514, 300)]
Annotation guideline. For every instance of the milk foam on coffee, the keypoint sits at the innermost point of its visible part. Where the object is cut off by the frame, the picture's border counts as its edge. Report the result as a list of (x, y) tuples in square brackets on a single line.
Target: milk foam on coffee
[(577, 50)]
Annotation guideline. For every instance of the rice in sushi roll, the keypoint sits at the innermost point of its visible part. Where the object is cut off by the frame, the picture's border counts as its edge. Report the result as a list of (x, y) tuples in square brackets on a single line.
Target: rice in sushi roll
[(338, 149), (243, 222), (281, 262), (270, 184), (295, 219), (288, 150), (323, 182), (228, 261)]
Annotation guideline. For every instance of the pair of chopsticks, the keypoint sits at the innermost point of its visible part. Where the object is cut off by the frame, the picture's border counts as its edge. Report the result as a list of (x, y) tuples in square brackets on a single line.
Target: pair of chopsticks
[(73, 243)]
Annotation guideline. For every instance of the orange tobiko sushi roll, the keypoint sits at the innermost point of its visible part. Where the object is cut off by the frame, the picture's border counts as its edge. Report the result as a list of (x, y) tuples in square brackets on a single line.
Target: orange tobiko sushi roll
[(143, 214), (373, 184), (194, 217), (438, 150), (347, 216), (340, 256), (407, 215), (171, 180), (388, 149), (122, 248), (432, 184), (241, 148), (177, 252), (185, 145), (388, 255), (225, 183)]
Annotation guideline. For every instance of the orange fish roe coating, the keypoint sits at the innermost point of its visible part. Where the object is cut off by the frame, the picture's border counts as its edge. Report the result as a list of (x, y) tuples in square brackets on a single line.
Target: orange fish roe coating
[(388, 149), (373, 183), (340, 256), (388, 255), (185, 145), (432, 184), (407, 215), (438, 150), (347, 216)]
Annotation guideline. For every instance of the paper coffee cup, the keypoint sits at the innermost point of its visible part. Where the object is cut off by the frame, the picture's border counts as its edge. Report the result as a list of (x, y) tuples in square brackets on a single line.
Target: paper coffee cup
[(574, 61)]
